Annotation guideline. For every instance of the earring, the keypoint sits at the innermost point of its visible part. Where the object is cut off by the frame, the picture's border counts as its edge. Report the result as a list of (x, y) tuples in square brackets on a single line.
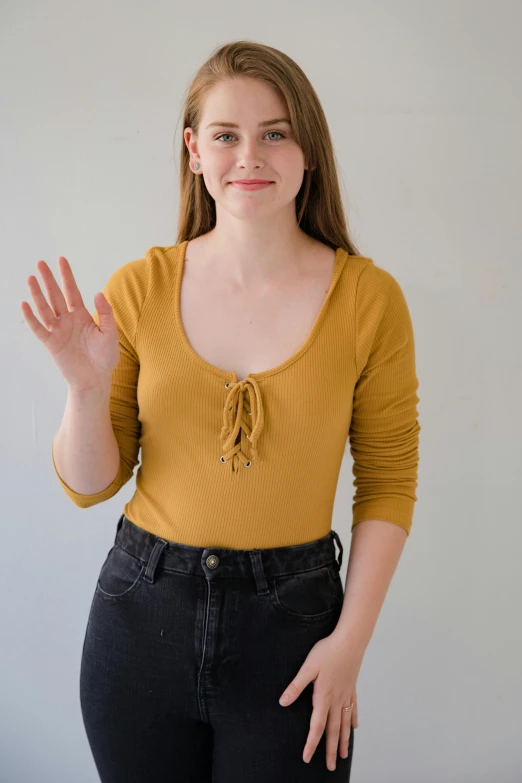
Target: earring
[(196, 166)]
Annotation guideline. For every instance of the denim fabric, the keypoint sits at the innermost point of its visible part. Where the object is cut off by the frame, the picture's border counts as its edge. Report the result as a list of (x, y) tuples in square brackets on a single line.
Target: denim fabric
[(187, 651)]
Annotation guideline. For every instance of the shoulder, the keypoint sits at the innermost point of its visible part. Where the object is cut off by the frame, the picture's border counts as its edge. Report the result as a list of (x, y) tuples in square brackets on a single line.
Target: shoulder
[(375, 283), (159, 256), (135, 275), (129, 280), (127, 288), (380, 303)]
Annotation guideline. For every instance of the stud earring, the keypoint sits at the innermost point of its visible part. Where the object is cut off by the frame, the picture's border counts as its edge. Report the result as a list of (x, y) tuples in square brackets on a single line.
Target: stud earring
[(196, 166)]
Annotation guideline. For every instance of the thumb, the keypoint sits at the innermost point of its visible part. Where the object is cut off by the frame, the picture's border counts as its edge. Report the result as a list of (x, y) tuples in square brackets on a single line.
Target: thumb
[(104, 316), (303, 677)]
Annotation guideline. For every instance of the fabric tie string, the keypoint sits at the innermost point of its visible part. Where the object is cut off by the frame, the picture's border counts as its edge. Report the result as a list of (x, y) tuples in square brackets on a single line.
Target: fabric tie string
[(243, 412)]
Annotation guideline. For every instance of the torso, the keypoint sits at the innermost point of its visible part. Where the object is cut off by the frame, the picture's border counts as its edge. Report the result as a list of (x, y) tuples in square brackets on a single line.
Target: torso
[(252, 332)]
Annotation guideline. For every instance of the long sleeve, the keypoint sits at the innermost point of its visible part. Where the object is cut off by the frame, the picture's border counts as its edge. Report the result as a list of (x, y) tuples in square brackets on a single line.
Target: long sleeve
[(125, 291), (384, 430)]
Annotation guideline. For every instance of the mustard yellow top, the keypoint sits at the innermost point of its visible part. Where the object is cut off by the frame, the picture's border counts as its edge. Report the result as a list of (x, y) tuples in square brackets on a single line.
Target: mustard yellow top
[(255, 463)]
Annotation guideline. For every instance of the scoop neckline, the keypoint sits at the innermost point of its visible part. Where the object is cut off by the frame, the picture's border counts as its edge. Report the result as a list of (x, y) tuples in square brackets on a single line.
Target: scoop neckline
[(231, 375)]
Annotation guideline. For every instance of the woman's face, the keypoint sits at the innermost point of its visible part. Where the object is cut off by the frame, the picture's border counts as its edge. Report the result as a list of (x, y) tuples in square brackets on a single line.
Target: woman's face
[(252, 150)]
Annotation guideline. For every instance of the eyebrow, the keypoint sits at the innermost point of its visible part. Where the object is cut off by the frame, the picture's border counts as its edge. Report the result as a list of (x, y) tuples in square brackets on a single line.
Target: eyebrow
[(261, 124)]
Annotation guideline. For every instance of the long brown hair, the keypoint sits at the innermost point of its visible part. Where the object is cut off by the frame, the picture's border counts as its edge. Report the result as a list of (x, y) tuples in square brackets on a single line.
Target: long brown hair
[(319, 207)]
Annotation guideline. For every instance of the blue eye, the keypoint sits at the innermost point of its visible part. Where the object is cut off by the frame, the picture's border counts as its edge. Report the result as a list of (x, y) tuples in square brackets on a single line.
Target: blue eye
[(231, 134)]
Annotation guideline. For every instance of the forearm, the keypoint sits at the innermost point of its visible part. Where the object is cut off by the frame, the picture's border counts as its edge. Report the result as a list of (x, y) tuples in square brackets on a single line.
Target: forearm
[(375, 551), (85, 450)]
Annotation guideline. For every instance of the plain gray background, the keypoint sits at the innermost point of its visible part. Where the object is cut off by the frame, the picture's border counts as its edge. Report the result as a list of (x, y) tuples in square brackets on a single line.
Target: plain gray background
[(424, 103)]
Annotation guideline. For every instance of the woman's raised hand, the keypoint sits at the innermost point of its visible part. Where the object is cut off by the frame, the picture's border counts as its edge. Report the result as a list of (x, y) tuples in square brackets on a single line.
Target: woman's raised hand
[(85, 354)]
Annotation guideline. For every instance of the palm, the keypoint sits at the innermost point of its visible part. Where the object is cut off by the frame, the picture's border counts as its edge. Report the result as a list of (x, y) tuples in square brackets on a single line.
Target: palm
[(79, 348), (85, 353)]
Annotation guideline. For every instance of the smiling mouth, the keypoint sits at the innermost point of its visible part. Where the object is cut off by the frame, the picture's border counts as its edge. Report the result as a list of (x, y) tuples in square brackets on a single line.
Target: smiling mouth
[(250, 185)]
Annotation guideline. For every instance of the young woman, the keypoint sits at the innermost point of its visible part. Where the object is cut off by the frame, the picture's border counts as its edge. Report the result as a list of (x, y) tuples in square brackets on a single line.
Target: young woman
[(241, 360)]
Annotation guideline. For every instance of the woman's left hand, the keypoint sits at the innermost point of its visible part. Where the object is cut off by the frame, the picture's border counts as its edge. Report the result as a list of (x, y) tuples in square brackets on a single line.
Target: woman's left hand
[(334, 668)]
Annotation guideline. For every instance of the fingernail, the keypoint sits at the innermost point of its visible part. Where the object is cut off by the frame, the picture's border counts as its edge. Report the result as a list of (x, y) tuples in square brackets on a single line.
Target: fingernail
[(283, 700)]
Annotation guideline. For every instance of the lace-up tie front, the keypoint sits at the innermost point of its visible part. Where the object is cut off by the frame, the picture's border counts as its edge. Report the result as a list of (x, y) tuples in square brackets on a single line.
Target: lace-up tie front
[(242, 421)]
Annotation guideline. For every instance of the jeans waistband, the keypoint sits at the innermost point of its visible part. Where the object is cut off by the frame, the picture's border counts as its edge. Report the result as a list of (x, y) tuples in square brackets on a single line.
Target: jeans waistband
[(224, 563)]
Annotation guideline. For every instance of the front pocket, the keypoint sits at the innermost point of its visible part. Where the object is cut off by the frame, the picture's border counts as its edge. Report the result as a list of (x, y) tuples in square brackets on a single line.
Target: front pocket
[(120, 575), (309, 595)]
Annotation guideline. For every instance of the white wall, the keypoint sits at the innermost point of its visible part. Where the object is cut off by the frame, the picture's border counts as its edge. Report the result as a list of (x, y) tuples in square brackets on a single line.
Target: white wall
[(424, 104)]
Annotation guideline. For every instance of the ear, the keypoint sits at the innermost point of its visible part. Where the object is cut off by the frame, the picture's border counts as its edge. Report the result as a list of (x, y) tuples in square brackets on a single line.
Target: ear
[(191, 141)]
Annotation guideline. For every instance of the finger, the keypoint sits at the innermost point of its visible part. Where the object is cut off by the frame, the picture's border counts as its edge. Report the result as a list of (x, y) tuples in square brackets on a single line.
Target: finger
[(34, 324), (42, 306), (61, 304), (317, 724), (54, 292), (333, 727), (344, 736), (293, 690), (355, 715), (72, 292), (306, 674)]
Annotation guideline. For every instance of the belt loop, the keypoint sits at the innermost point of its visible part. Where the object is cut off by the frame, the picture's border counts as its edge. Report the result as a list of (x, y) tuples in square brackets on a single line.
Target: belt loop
[(155, 555), (336, 536), (259, 574)]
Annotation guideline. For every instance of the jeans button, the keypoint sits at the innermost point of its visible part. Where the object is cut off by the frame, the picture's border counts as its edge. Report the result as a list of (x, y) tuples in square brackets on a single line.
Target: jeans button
[(212, 561)]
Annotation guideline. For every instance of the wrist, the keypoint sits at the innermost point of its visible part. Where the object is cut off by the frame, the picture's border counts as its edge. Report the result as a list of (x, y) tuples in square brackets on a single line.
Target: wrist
[(99, 390), (350, 638)]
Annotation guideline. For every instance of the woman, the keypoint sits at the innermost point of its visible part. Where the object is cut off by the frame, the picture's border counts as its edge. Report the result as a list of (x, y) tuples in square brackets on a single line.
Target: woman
[(240, 360)]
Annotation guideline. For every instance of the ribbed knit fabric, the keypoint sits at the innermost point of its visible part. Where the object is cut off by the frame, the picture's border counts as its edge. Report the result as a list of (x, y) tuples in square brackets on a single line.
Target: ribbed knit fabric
[(255, 463)]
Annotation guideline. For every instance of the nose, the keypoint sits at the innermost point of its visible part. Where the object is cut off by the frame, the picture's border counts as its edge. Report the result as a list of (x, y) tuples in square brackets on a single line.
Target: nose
[(249, 156)]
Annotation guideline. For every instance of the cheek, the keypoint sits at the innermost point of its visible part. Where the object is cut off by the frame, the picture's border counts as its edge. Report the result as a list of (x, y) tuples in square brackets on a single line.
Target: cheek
[(218, 169), (289, 164), (292, 177)]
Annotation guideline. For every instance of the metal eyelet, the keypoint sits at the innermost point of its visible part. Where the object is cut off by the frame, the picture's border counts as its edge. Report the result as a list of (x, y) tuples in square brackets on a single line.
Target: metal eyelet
[(227, 384), (222, 459), (247, 464), (248, 437)]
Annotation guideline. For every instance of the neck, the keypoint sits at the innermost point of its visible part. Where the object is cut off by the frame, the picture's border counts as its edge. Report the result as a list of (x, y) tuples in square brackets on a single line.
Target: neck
[(244, 259)]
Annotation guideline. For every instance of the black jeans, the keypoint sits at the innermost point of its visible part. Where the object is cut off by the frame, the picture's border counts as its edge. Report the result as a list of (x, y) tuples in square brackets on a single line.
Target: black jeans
[(187, 651)]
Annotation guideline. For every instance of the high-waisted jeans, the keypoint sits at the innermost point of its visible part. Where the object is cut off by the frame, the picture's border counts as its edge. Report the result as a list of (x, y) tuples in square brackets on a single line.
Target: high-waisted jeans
[(187, 651)]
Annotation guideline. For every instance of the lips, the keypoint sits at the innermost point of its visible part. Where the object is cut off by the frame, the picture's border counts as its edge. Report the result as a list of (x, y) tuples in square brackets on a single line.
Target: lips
[(251, 184), (250, 181)]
